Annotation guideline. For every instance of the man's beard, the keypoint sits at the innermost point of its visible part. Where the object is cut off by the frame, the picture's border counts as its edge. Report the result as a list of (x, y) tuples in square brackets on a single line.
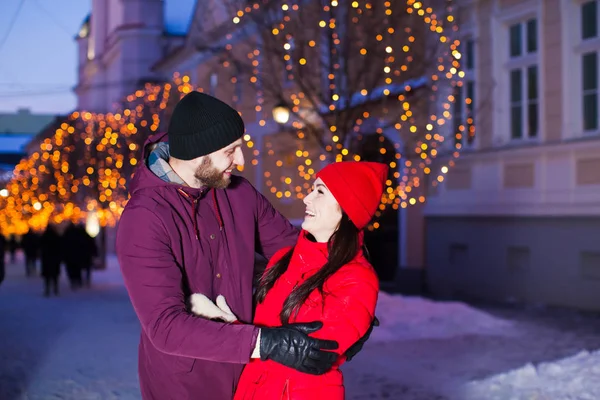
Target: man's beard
[(209, 176)]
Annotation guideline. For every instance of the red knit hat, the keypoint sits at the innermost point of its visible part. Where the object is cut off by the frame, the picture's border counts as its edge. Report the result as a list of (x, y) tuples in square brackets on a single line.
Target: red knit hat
[(357, 187)]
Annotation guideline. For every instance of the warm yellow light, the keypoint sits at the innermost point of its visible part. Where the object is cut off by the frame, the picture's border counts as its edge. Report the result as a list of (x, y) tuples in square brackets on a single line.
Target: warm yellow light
[(92, 224), (281, 114)]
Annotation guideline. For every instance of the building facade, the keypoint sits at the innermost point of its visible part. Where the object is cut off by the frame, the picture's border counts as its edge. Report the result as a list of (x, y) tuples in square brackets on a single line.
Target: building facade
[(518, 217), (120, 42)]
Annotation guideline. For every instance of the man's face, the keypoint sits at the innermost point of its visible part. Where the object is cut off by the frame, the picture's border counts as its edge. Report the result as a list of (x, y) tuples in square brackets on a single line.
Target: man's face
[(215, 169)]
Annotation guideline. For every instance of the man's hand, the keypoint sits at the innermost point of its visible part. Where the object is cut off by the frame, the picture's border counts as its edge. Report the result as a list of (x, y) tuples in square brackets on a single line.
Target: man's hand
[(357, 347), (291, 346)]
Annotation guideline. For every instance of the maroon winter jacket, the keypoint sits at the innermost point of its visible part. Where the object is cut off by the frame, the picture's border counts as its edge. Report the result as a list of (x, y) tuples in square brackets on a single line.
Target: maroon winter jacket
[(173, 241)]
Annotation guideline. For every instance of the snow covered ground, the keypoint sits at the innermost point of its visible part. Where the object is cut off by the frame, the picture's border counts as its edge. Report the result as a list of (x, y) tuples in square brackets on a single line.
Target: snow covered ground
[(83, 346)]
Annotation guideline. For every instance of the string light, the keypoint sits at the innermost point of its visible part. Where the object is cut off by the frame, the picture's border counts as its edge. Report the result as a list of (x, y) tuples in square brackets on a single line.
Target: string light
[(84, 166), (398, 57)]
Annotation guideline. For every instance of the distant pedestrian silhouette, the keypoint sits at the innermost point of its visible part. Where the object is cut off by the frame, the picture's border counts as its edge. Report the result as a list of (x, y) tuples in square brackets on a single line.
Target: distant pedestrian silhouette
[(51, 255), (2, 253), (89, 251), (31, 247), (79, 250), (12, 248)]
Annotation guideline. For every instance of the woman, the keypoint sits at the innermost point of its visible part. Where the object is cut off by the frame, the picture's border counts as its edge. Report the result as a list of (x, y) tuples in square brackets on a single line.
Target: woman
[(324, 277)]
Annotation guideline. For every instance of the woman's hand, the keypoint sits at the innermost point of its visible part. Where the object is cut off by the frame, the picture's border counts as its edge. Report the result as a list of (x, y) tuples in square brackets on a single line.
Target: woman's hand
[(203, 307)]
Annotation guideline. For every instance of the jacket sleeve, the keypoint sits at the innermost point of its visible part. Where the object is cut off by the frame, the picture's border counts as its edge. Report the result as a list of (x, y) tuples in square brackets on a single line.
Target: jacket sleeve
[(349, 305), (274, 230), (154, 279)]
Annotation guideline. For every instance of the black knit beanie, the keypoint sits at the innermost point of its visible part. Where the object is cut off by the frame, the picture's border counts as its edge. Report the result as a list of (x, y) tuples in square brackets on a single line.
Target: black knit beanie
[(202, 124)]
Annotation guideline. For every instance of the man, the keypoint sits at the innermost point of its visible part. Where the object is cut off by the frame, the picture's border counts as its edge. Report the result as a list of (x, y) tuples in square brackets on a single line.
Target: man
[(193, 227)]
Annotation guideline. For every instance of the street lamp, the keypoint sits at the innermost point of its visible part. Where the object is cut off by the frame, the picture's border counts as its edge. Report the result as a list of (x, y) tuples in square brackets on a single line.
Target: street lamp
[(281, 113), (4, 192)]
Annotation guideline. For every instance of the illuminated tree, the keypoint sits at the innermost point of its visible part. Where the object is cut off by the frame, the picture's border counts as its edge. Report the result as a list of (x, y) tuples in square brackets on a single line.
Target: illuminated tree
[(346, 70), (85, 165)]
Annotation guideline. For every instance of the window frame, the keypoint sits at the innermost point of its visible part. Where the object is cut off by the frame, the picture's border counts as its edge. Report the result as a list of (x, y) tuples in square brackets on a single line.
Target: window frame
[(523, 63), (461, 92), (213, 83), (584, 47), (572, 56), (500, 23), (468, 32)]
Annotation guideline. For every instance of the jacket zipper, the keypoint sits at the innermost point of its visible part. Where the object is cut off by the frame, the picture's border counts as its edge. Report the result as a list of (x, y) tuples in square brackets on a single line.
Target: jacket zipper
[(194, 211)]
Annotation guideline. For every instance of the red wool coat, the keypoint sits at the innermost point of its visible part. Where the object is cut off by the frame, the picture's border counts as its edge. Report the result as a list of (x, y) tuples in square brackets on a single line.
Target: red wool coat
[(346, 311)]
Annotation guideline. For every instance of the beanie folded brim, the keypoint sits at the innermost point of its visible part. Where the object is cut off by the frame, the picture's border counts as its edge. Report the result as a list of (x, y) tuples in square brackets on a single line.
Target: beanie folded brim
[(216, 137), (202, 124)]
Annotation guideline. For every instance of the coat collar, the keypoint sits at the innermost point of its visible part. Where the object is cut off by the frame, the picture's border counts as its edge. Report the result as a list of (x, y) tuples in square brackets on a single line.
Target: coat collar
[(309, 255)]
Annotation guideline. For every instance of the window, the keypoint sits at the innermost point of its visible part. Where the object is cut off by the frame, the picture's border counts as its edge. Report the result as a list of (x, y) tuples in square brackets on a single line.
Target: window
[(214, 81), (518, 258), (464, 98), (589, 64), (589, 262), (236, 79), (523, 79), (589, 19), (458, 255), (590, 47), (237, 95)]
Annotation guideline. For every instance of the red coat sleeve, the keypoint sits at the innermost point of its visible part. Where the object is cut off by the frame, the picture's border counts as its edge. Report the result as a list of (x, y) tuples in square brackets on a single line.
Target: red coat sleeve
[(153, 280), (349, 305)]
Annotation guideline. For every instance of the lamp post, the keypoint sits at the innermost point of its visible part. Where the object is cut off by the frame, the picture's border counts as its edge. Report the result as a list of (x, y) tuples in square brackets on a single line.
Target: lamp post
[(281, 113)]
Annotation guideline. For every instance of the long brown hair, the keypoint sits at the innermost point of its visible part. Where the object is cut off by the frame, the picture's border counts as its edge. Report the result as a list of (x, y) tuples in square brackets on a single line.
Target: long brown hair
[(343, 246)]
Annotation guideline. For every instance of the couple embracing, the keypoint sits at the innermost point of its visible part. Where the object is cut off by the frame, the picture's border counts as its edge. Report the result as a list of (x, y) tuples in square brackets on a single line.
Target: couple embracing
[(186, 243)]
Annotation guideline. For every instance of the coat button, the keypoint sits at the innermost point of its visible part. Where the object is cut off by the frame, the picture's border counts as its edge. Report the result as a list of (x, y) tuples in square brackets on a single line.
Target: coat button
[(212, 236), (218, 275)]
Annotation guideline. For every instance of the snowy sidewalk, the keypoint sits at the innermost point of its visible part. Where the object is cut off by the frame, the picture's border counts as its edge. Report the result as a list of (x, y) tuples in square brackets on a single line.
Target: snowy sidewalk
[(83, 345)]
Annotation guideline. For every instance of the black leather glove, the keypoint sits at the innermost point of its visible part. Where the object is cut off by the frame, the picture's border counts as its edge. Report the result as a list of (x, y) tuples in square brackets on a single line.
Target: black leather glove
[(291, 346), (357, 347)]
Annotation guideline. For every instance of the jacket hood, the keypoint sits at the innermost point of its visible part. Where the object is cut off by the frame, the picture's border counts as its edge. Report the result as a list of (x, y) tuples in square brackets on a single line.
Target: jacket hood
[(144, 178)]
